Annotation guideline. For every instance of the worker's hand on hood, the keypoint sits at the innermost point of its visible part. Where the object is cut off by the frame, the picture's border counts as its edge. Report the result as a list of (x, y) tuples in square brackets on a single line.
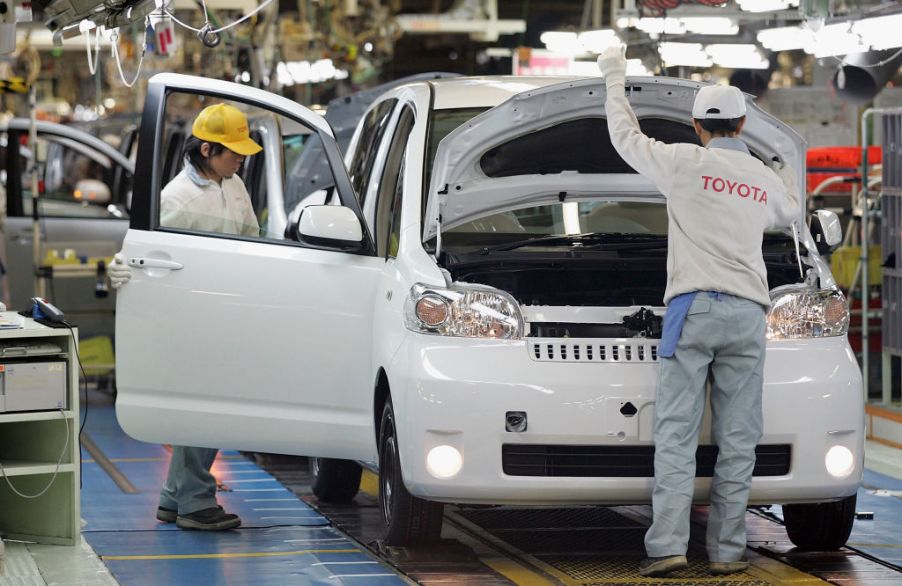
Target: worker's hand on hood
[(118, 271), (612, 63)]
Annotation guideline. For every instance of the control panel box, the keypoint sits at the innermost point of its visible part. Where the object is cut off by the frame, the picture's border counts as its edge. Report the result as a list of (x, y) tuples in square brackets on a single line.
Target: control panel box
[(33, 385)]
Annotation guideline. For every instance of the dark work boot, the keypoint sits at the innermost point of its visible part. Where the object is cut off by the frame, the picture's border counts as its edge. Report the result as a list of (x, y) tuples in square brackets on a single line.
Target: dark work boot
[(166, 515), (212, 519)]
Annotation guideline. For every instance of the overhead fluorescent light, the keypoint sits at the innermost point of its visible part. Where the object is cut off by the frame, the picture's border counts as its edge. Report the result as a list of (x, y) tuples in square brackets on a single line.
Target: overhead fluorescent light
[(710, 25), (562, 42), (882, 32), (657, 26), (739, 56), (835, 39), (598, 41), (687, 54), (766, 5), (784, 38)]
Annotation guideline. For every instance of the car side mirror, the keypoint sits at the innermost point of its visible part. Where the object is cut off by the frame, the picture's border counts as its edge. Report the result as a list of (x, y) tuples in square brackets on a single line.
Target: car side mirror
[(826, 231), (330, 225), (92, 191)]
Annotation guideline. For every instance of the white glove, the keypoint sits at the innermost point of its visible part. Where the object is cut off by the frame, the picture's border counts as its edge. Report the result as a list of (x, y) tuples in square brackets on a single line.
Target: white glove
[(118, 271), (612, 63)]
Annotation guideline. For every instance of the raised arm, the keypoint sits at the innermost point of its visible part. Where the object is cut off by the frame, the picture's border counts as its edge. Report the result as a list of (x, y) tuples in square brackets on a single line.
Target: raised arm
[(652, 159)]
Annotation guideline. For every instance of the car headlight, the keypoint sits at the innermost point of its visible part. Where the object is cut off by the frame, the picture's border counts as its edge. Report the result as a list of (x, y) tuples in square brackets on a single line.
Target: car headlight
[(463, 310), (807, 313)]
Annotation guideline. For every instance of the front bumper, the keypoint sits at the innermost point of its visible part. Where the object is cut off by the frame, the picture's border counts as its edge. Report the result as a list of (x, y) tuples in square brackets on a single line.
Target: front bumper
[(452, 391)]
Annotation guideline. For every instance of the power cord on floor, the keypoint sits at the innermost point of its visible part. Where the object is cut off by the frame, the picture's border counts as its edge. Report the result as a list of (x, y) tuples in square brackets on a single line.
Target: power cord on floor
[(84, 378), (59, 463)]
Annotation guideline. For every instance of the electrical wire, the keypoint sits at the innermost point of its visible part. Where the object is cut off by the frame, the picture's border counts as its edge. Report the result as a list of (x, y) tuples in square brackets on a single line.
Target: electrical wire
[(84, 378), (872, 65), (92, 63), (59, 464), (115, 44), (222, 28)]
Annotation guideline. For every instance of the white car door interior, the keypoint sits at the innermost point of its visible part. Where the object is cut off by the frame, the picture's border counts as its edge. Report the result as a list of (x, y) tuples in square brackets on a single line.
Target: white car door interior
[(243, 340)]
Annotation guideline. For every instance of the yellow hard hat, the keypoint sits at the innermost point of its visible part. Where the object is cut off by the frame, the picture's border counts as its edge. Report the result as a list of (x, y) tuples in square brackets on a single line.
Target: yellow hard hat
[(226, 125)]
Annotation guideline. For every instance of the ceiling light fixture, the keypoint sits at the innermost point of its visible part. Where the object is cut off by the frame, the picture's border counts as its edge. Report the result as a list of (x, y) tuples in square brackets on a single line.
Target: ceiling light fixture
[(710, 25), (599, 40), (882, 32), (686, 54), (766, 5), (742, 56)]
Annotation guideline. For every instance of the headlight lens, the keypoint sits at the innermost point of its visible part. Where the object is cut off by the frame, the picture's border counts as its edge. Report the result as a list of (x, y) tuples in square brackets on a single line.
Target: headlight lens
[(463, 310), (807, 313)]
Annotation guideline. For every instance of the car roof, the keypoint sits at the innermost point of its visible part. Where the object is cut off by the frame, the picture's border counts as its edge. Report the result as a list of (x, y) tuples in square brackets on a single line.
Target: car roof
[(486, 92)]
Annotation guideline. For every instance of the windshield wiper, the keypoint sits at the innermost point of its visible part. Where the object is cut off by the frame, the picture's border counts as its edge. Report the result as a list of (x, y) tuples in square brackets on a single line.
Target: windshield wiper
[(588, 241), (550, 240)]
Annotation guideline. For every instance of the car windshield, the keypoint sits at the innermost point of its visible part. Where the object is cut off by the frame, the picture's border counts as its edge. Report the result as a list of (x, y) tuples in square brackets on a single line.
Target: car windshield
[(441, 123)]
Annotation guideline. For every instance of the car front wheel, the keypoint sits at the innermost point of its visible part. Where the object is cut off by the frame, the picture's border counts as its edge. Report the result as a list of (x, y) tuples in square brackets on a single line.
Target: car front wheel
[(334, 481), (408, 520), (820, 526)]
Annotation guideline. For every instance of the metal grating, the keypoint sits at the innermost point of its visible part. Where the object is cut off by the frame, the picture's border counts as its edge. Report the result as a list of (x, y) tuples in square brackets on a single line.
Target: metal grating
[(527, 518), (637, 351), (623, 461), (623, 571)]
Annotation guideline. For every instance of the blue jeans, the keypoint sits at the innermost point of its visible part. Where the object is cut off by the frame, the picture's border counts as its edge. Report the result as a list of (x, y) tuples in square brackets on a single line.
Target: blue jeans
[(189, 487), (723, 335)]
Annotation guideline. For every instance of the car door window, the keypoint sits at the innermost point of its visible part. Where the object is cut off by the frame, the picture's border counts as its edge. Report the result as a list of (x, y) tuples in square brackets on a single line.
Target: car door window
[(249, 202), (371, 133), (388, 198), (74, 180)]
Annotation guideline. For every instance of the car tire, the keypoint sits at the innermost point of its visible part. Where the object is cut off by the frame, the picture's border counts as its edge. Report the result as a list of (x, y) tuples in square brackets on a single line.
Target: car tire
[(407, 520), (334, 481), (820, 526)]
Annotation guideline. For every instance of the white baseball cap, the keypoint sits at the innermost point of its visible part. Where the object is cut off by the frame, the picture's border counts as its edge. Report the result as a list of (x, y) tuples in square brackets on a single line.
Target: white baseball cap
[(718, 102)]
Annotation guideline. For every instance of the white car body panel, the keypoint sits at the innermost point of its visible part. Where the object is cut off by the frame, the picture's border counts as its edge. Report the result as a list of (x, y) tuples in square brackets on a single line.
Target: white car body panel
[(306, 340)]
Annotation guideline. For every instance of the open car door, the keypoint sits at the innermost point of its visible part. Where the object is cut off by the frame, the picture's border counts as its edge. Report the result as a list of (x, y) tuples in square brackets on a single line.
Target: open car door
[(248, 342)]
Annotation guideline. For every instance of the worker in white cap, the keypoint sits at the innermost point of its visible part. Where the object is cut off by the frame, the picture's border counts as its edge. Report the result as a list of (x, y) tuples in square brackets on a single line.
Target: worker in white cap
[(206, 196), (720, 201)]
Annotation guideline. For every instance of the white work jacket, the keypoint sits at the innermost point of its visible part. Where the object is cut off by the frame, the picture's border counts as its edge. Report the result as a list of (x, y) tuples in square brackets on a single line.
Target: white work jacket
[(191, 202), (719, 204)]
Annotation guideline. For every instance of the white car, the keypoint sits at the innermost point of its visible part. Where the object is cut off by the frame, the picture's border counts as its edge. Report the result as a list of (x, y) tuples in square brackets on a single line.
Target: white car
[(479, 319)]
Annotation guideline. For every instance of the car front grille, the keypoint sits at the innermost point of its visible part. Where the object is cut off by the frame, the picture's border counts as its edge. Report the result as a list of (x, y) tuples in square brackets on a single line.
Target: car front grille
[(634, 350), (623, 461)]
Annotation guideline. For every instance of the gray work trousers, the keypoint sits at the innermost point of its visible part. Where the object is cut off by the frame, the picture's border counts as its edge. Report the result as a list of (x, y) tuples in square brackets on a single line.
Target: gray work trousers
[(723, 335), (189, 486)]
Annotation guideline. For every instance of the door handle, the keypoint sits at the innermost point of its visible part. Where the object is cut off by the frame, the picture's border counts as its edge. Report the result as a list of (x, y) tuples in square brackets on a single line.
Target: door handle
[(154, 263)]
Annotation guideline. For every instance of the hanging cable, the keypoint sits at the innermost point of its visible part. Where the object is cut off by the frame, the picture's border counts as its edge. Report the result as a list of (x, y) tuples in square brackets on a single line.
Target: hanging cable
[(222, 28), (872, 65), (59, 464), (92, 63), (114, 39)]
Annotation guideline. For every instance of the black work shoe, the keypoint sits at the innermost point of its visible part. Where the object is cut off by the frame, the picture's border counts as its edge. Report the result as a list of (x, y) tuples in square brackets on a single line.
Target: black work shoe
[(723, 568), (212, 519), (166, 515), (662, 566)]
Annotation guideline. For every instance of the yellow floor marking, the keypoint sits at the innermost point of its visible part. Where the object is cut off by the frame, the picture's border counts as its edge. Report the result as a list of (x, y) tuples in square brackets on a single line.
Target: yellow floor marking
[(369, 483), (514, 572), (776, 572), (207, 556)]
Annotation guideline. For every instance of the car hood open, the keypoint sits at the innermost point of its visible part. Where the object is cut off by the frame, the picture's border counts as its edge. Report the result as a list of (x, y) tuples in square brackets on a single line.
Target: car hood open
[(480, 168)]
